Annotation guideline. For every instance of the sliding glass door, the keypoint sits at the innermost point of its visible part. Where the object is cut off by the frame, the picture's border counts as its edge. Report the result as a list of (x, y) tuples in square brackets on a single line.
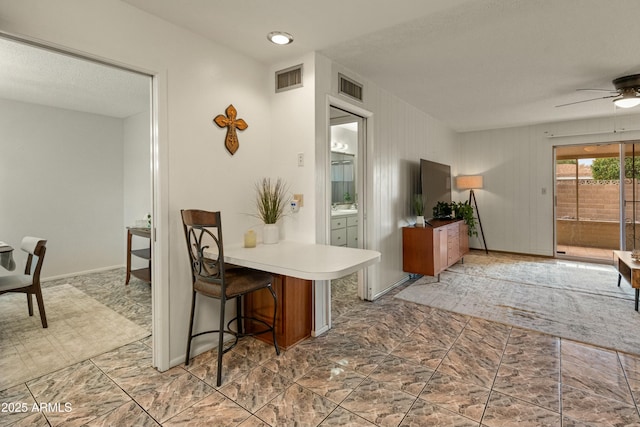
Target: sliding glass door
[(630, 233), (588, 194)]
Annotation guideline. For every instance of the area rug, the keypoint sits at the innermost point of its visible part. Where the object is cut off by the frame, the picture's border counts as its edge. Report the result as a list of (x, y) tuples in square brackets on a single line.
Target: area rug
[(80, 327), (578, 301)]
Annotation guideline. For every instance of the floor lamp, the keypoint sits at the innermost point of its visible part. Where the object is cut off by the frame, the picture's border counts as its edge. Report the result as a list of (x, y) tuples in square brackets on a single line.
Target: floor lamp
[(471, 182)]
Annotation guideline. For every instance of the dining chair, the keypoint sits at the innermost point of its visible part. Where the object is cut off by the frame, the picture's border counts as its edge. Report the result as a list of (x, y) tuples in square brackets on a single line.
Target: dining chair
[(29, 282), (212, 277)]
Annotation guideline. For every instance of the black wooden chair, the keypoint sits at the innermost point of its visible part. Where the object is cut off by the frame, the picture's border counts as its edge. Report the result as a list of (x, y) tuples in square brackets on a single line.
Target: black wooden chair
[(29, 282), (212, 278)]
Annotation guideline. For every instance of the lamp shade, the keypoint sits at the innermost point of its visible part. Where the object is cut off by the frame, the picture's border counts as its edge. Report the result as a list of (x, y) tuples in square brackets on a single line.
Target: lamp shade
[(467, 182)]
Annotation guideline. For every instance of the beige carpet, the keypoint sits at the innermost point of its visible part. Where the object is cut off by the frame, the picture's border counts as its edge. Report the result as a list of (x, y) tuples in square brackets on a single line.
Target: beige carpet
[(79, 328), (578, 301)]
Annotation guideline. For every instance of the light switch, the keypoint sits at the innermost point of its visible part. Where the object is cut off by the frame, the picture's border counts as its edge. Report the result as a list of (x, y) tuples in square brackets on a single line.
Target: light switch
[(300, 159)]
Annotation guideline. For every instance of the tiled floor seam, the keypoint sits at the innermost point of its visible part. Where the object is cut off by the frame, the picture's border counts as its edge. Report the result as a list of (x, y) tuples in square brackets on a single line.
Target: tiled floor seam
[(339, 405), (124, 391), (561, 405), (496, 375), (626, 378)]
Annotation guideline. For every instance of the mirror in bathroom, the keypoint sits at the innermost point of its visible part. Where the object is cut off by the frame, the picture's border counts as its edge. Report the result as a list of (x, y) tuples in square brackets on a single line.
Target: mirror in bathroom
[(343, 183)]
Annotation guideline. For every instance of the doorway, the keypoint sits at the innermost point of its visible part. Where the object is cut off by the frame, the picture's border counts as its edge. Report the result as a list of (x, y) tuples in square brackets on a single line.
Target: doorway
[(84, 129), (596, 200), (346, 171)]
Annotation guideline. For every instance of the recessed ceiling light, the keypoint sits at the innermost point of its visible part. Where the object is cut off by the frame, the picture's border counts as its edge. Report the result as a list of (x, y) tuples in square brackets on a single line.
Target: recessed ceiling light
[(279, 37)]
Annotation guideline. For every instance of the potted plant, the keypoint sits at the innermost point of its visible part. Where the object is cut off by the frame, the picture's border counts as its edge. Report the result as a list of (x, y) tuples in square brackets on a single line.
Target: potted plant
[(464, 211), (442, 210), (271, 201), (418, 206)]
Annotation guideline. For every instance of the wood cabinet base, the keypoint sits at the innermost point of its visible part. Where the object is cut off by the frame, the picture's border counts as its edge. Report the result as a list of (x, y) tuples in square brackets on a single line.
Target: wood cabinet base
[(430, 250), (294, 314)]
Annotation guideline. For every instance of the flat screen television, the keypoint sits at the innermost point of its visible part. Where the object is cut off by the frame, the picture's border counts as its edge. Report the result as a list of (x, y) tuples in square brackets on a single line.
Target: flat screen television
[(435, 182)]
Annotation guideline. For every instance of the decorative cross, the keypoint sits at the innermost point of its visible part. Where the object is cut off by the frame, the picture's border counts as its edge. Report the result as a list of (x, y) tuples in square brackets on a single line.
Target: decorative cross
[(230, 122)]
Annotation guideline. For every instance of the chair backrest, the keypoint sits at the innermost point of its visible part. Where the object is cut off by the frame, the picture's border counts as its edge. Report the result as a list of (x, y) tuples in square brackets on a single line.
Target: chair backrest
[(34, 246), (203, 231)]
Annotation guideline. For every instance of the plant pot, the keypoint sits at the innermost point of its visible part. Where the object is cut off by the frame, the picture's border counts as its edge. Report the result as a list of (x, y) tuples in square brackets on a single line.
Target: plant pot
[(270, 234), (420, 221)]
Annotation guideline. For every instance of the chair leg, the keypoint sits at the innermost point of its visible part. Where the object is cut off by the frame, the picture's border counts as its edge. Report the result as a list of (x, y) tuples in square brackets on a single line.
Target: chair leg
[(223, 303), (43, 316), (273, 325), (239, 325), (30, 304), (193, 310)]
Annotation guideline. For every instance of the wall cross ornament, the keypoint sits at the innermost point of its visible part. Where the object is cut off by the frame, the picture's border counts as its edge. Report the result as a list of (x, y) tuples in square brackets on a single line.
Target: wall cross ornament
[(229, 121)]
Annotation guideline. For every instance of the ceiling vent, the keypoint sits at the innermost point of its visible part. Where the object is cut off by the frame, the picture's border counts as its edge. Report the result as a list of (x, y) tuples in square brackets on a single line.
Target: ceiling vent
[(349, 87), (289, 78)]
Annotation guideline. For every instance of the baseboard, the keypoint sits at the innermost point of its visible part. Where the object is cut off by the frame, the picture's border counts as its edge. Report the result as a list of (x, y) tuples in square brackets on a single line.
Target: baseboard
[(390, 288), (320, 331), (81, 273)]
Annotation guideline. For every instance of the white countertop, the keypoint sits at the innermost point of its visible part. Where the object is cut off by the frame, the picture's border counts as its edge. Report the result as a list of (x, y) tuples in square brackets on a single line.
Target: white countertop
[(344, 212), (303, 260)]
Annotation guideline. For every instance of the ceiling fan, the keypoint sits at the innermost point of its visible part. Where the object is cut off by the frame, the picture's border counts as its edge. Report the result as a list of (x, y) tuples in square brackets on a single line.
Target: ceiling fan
[(627, 93)]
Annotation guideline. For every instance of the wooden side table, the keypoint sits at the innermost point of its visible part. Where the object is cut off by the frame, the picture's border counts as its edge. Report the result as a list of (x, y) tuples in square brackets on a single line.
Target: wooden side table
[(628, 268), (143, 274)]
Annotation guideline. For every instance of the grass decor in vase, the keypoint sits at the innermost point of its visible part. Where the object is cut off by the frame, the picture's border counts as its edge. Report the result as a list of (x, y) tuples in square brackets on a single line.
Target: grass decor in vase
[(271, 201), (418, 206)]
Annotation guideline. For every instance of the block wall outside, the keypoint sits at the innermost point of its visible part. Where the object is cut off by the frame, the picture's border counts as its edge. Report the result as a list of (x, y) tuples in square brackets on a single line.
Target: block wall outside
[(598, 225), (595, 234), (598, 200)]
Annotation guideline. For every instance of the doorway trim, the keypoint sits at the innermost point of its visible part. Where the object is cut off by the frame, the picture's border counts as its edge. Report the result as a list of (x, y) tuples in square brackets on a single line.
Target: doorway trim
[(364, 147), (159, 189)]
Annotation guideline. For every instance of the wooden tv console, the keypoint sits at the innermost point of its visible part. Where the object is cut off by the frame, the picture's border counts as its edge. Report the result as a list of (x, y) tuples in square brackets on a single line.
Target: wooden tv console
[(429, 250)]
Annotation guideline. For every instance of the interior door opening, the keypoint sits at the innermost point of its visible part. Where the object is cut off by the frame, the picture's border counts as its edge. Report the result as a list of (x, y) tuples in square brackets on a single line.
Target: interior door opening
[(104, 117), (346, 176)]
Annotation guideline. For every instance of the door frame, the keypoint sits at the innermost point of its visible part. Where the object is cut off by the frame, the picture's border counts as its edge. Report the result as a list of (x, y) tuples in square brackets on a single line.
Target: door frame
[(159, 190), (620, 155), (364, 168)]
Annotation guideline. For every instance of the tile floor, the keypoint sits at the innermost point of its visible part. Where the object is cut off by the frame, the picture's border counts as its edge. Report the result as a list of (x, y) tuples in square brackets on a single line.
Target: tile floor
[(386, 363)]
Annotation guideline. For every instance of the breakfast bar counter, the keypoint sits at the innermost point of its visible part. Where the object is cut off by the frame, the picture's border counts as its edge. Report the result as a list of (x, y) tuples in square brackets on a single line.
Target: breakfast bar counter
[(303, 260), (295, 266)]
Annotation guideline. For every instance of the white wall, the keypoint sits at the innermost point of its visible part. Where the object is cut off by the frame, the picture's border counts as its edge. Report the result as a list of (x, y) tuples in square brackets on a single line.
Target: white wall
[(137, 177), (399, 135), (293, 119), (61, 174), (196, 80), (517, 164)]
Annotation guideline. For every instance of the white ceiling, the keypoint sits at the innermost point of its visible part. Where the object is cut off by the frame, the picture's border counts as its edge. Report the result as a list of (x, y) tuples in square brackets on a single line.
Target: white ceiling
[(38, 76), (473, 64)]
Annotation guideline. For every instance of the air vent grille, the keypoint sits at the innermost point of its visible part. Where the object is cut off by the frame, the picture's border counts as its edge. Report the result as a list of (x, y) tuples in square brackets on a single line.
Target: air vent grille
[(289, 78), (349, 87)]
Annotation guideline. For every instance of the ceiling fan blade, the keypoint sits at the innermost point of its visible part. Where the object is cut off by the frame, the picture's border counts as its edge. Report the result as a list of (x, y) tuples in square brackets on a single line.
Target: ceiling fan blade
[(598, 90), (587, 100)]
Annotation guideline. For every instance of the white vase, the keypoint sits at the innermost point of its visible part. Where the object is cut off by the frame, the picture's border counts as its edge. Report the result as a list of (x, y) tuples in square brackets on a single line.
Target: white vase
[(270, 234), (420, 221)]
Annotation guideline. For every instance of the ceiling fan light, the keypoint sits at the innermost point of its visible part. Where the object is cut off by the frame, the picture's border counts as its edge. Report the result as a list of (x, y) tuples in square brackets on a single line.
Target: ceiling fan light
[(627, 102), (279, 37)]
